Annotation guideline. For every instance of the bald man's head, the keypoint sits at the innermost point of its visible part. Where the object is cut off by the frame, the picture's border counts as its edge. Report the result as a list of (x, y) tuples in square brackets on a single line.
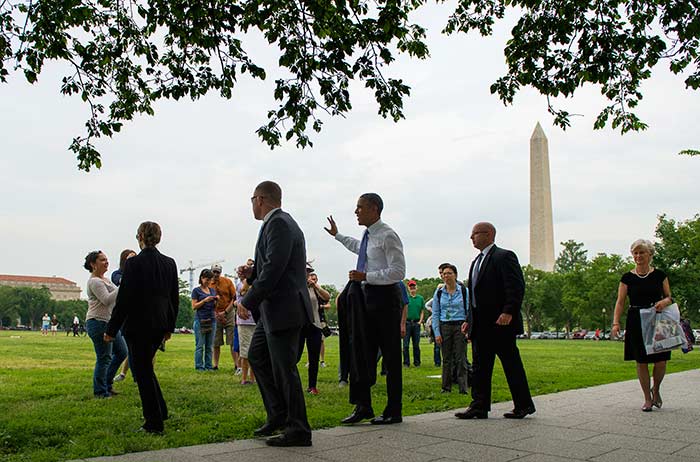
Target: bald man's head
[(483, 235)]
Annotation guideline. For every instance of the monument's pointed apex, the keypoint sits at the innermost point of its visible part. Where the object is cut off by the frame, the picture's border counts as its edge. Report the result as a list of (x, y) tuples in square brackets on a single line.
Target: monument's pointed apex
[(538, 132)]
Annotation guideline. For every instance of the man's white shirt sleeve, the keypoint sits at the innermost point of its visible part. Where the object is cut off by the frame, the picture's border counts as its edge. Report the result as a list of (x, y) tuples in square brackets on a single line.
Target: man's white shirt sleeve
[(350, 243)]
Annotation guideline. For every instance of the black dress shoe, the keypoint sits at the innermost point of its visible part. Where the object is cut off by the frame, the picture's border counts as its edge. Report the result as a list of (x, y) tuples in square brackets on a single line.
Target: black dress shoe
[(519, 413), (386, 420), (269, 428), (472, 413), (284, 440), (360, 413)]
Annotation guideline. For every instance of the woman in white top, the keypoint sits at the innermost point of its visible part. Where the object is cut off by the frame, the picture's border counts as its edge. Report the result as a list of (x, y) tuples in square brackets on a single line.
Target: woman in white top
[(311, 333), (102, 295)]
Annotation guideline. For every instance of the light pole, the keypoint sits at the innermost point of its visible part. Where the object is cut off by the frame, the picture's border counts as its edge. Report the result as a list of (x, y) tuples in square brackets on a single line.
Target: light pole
[(605, 320)]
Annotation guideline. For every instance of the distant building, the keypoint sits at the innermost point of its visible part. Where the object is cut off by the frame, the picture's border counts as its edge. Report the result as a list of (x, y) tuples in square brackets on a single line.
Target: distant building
[(60, 288)]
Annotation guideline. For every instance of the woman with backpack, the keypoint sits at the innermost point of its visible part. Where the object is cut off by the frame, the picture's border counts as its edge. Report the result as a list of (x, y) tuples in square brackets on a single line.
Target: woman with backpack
[(449, 314)]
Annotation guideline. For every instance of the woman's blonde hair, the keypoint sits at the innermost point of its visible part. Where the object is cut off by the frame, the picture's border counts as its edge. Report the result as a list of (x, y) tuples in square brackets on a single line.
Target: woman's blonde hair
[(645, 244)]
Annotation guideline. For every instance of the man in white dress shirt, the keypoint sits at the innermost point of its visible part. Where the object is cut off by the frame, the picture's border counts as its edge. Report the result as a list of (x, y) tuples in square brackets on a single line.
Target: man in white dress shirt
[(371, 303)]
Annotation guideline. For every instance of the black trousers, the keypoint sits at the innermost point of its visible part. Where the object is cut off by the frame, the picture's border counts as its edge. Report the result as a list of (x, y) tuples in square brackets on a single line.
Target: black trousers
[(486, 345), (273, 357), (312, 336), (141, 352), (373, 317)]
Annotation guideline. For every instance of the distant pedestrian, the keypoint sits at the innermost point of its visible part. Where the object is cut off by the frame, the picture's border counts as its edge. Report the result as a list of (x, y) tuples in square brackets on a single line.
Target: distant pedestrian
[(45, 323), (102, 296), (54, 325), (204, 299), (414, 321), (646, 286), (76, 325)]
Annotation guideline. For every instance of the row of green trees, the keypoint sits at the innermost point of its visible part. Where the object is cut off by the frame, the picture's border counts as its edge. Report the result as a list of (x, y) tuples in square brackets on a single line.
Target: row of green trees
[(25, 305), (579, 293)]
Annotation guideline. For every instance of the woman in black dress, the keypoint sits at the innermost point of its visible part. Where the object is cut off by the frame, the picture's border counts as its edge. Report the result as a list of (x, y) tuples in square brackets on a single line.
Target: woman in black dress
[(646, 286)]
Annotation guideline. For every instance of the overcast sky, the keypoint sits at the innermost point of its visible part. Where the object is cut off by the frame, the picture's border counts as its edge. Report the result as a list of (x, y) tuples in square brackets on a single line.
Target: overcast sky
[(458, 158)]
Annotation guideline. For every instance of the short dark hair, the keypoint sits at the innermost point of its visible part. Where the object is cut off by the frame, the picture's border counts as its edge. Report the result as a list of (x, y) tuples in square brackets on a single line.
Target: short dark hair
[(123, 257), (206, 273), (150, 233), (443, 266), (271, 191), (452, 267), (90, 259), (375, 200)]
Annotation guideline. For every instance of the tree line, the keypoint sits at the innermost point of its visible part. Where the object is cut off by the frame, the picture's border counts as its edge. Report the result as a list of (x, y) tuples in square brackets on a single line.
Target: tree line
[(573, 296)]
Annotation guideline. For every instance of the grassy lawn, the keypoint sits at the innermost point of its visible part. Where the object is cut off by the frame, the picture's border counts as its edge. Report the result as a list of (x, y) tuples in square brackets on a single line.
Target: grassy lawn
[(47, 411)]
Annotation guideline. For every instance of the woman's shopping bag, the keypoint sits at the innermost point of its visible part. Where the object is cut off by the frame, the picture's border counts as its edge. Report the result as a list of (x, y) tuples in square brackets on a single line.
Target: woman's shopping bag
[(662, 331)]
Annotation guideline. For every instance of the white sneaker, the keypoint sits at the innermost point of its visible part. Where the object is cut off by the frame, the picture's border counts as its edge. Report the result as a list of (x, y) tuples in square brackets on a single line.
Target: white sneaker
[(342, 384), (239, 371), (119, 377), (323, 364), (306, 365)]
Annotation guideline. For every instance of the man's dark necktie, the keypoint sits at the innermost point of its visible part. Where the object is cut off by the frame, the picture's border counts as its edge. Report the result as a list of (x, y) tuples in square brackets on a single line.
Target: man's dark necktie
[(362, 255), (475, 276)]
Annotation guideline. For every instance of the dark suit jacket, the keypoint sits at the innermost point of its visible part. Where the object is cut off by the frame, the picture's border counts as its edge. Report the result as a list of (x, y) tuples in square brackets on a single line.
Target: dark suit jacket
[(279, 296), (147, 303), (500, 287)]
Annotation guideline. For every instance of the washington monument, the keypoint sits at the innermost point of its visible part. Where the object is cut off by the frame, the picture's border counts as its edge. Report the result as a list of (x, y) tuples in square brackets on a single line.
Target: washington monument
[(541, 227)]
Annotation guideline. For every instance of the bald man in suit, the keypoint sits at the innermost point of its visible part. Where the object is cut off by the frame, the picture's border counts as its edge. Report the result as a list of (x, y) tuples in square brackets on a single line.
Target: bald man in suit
[(279, 301), (496, 287)]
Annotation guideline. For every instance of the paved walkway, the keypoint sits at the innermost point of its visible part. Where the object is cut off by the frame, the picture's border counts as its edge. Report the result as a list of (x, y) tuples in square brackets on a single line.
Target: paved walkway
[(599, 424)]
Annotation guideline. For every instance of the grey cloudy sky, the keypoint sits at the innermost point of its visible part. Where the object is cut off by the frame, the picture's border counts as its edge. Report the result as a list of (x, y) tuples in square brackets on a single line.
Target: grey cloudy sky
[(459, 157)]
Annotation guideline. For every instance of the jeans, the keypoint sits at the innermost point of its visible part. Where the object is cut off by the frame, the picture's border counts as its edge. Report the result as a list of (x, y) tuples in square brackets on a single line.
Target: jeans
[(412, 334), (108, 357), (203, 346), (437, 355)]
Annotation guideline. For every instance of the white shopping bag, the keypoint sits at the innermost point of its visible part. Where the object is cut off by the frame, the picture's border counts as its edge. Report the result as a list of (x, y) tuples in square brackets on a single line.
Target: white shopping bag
[(662, 331)]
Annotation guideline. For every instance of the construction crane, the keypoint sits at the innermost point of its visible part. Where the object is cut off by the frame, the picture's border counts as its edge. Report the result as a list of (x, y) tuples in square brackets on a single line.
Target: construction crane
[(193, 267)]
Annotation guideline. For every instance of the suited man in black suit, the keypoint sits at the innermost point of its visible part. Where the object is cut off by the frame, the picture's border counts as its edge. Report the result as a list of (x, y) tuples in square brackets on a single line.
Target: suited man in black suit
[(496, 287), (146, 310), (279, 301)]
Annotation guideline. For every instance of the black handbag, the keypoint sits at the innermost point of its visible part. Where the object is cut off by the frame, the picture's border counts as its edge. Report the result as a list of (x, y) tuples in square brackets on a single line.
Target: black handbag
[(325, 330)]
